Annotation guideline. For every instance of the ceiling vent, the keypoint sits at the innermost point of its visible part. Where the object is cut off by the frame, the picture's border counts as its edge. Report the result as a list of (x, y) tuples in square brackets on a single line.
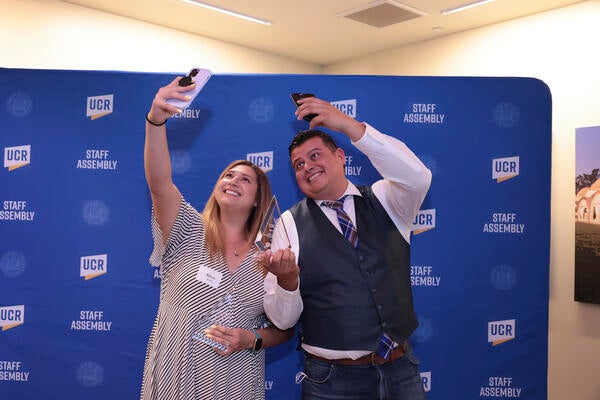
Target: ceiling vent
[(383, 13)]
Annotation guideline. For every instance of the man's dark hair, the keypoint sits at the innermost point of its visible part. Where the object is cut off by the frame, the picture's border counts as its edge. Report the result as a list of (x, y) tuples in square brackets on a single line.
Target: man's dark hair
[(303, 136)]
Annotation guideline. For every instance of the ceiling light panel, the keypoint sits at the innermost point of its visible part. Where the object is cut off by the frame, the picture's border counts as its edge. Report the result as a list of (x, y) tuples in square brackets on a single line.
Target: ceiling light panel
[(228, 12), (380, 14)]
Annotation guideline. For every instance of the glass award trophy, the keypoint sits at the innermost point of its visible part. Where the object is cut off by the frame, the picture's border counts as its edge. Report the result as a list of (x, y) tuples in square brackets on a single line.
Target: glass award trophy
[(265, 233), (219, 314)]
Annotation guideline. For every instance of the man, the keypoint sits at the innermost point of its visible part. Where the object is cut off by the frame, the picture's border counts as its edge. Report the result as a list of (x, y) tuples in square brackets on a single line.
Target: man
[(348, 282)]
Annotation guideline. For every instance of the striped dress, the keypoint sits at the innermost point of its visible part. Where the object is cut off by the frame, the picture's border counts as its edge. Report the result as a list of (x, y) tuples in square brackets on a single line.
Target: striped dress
[(177, 366)]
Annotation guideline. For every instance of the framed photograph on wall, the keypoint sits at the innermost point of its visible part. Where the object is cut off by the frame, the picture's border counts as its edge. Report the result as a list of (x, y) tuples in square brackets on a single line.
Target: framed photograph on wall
[(587, 214)]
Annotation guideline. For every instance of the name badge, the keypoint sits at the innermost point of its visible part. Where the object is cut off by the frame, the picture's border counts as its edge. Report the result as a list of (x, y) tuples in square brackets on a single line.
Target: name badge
[(209, 276)]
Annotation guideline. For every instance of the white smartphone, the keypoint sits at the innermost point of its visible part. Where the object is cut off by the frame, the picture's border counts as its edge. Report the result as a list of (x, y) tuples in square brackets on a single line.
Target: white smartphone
[(199, 76)]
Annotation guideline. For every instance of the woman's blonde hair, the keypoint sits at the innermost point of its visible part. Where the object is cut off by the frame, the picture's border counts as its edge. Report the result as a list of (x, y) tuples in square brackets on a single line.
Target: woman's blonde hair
[(212, 211)]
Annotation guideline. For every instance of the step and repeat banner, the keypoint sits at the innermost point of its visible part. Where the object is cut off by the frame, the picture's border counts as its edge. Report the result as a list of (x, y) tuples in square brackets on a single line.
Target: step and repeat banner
[(78, 296)]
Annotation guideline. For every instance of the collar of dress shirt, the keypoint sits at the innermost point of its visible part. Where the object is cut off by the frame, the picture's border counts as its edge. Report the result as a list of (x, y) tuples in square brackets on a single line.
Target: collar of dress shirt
[(350, 189)]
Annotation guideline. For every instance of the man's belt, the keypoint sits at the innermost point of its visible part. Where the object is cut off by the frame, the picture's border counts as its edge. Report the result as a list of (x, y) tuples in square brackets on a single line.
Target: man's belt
[(371, 358)]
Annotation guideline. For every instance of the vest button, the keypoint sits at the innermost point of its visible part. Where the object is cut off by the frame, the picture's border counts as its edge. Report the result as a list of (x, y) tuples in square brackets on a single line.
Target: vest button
[(379, 306), (383, 324), (373, 290)]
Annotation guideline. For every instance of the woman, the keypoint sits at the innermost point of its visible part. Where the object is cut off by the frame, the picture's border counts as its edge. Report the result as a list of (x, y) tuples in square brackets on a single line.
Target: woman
[(211, 287)]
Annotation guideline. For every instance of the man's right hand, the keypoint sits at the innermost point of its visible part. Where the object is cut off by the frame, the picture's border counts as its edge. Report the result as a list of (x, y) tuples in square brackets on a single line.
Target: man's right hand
[(282, 264), (329, 117)]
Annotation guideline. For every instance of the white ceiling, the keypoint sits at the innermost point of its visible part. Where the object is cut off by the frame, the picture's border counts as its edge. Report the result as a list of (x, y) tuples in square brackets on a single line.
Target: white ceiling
[(313, 31)]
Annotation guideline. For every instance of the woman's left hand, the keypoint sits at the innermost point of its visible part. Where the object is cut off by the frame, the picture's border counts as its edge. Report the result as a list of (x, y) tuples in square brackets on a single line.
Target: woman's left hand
[(235, 339)]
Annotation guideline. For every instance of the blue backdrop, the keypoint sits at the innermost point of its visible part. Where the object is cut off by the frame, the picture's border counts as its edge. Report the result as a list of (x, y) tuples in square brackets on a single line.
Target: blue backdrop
[(78, 296)]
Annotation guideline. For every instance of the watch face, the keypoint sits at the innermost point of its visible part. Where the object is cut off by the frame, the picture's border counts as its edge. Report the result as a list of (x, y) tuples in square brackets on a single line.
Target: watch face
[(258, 344)]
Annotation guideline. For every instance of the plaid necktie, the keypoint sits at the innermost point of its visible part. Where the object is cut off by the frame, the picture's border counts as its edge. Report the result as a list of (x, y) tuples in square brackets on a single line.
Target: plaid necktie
[(344, 220)]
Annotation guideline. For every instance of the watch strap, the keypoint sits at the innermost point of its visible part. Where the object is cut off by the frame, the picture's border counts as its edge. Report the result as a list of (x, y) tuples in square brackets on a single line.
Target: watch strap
[(257, 341)]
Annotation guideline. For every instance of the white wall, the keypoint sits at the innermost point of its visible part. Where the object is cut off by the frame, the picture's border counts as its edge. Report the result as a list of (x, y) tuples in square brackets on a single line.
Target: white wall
[(561, 48), (50, 34), (558, 47)]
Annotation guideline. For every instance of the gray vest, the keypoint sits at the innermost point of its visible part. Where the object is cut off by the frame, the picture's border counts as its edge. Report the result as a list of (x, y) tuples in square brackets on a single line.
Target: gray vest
[(351, 296)]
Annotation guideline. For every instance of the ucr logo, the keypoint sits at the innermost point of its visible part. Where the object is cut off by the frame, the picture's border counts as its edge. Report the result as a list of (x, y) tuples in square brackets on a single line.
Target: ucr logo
[(262, 160), (424, 221), (93, 266), (17, 157), (426, 379), (505, 168), (99, 106), (348, 107), (12, 316), (501, 331)]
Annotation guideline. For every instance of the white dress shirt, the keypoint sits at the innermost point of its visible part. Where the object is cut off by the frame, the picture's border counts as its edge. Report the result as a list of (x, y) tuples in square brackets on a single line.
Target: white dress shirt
[(401, 191)]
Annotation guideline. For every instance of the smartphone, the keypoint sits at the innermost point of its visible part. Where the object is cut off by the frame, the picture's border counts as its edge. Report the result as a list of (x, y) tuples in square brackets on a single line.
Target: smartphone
[(298, 96), (199, 76)]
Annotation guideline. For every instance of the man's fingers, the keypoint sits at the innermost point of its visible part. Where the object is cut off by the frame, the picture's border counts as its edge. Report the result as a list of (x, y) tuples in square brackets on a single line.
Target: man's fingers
[(286, 259), (281, 261), (288, 254), (264, 256), (276, 257)]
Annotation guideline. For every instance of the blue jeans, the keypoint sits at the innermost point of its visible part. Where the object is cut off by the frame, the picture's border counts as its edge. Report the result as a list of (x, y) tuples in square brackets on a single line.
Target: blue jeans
[(396, 380)]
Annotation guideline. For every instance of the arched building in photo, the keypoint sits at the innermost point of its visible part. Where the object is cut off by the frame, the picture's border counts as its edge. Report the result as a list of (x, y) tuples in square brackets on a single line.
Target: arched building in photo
[(587, 204)]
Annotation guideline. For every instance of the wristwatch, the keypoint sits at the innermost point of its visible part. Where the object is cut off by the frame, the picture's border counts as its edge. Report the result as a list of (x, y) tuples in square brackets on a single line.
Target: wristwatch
[(257, 341)]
